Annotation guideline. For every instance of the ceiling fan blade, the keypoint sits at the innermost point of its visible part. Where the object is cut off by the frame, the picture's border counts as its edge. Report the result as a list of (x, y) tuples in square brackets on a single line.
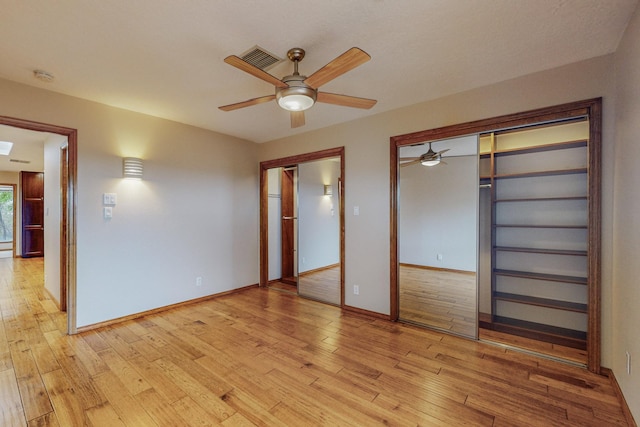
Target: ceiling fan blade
[(406, 159), (247, 103), (254, 71), (345, 100), (343, 63), (413, 162), (443, 151), (297, 119)]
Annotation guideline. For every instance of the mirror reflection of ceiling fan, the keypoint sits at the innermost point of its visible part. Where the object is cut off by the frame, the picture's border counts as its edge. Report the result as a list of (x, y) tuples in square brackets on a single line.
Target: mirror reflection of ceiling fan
[(430, 158), (296, 93)]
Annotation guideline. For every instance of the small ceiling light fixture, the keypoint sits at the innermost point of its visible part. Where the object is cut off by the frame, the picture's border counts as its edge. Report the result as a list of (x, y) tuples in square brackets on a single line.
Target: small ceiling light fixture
[(132, 168), (328, 190), (44, 76), (5, 148)]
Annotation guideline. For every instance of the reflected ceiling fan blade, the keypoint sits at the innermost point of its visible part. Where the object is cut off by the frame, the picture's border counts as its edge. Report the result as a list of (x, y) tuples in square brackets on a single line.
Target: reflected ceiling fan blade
[(413, 162), (345, 100), (248, 103), (297, 119), (343, 63), (254, 71)]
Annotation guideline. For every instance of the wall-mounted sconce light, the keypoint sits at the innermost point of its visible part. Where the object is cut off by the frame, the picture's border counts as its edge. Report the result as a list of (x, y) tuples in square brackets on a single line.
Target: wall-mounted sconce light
[(328, 190), (132, 168)]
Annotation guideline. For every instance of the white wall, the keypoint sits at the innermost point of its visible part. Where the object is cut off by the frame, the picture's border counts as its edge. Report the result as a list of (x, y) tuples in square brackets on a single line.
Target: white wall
[(367, 176), (52, 214), (195, 213), (318, 227), (626, 239)]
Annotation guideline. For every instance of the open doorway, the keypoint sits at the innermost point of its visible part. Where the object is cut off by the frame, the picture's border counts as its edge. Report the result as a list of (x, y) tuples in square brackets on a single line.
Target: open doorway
[(302, 231), (59, 204)]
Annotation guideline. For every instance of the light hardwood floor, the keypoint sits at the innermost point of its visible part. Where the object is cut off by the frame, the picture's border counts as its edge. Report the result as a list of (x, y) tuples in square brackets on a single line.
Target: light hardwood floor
[(262, 357)]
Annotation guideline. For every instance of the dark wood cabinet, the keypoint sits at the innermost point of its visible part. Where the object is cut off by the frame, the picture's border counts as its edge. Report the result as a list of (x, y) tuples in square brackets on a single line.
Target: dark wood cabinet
[(32, 208)]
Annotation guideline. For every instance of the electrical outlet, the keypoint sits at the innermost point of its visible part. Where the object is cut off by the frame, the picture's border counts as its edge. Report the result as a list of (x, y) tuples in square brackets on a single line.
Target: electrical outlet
[(439, 257), (628, 363), (198, 281), (356, 290)]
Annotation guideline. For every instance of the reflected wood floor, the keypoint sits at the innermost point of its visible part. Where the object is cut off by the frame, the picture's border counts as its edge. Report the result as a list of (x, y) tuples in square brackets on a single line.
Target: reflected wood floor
[(441, 299), (322, 285), (262, 357)]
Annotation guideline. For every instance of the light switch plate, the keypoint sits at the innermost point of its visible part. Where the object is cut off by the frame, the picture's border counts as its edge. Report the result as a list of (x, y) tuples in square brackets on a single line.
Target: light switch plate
[(108, 212), (109, 199)]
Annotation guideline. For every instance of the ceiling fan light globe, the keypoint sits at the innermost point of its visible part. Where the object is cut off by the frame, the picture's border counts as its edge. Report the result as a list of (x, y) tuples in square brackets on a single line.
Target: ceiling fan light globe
[(431, 162), (296, 102), (296, 98)]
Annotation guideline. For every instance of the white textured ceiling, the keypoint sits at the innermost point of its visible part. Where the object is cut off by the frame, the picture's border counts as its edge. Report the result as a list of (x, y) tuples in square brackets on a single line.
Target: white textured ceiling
[(165, 57), (27, 153)]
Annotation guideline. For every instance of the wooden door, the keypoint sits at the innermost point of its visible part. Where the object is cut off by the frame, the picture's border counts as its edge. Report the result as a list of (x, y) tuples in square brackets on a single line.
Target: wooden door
[(32, 205), (288, 224)]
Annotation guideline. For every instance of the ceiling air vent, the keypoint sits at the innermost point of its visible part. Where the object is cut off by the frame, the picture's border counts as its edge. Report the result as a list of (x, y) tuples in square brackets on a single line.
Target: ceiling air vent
[(260, 58), (20, 161)]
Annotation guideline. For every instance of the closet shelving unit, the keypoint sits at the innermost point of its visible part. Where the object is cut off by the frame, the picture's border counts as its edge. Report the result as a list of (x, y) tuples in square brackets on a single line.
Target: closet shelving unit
[(539, 243)]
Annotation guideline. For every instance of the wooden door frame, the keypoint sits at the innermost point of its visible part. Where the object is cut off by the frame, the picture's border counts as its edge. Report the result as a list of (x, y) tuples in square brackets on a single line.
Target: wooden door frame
[(264, 206), (71, 190), (591, 108), (64, 213)]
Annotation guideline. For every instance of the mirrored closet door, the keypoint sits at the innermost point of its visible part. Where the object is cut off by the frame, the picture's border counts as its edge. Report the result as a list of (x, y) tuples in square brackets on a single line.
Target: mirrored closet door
[(302, 231), (319, 230), (438, 234)]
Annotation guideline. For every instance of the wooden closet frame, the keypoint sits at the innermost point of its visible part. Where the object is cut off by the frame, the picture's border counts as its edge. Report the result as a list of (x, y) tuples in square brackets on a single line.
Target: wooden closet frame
[(590, 108)]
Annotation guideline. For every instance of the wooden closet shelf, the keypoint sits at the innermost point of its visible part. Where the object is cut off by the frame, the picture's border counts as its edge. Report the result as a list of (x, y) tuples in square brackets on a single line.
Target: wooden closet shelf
[(552, 334), (540, 226), (541, 276), (541, 302), (541, 148), (541, 199), (541, 173), (541, 251)]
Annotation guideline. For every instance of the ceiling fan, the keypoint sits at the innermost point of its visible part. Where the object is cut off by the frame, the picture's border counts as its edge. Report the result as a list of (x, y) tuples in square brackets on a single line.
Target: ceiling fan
[(430, 158), (296, 93)]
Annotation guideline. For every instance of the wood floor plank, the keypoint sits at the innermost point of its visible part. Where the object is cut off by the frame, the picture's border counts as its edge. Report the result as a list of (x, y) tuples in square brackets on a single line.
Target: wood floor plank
[(128, 375), (160, 409), (66, 402), (35, 399), (47, 420), (104, 416), (11, 409), (198, 392), (267, 358), (123, 403)]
